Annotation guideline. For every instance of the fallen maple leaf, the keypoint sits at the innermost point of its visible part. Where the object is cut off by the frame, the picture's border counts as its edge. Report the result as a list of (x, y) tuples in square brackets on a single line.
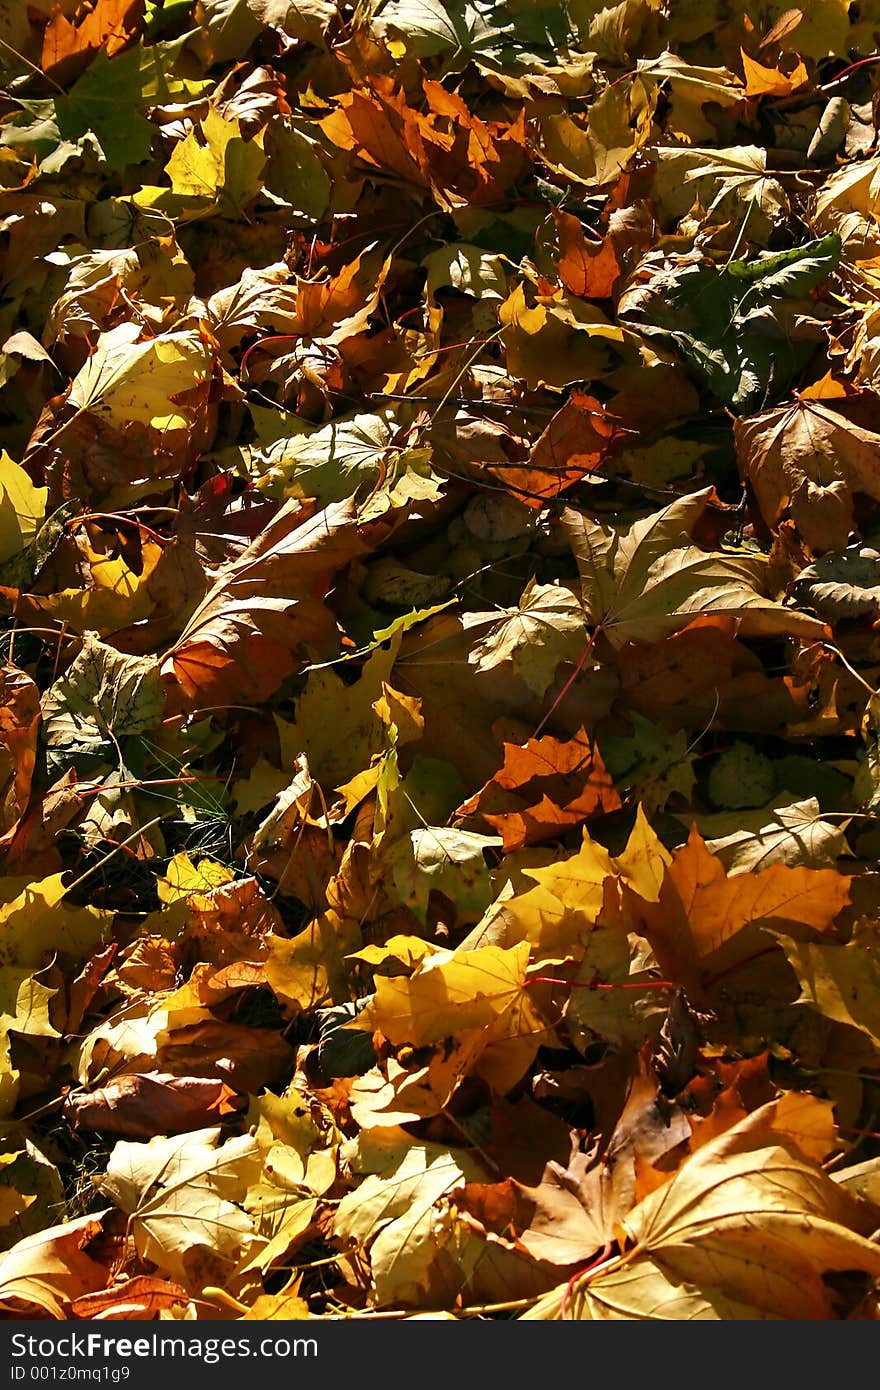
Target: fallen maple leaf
[(19, 726), (745, 1229), (701, 908), (281, 1307), (808, 460), (148, 1104), (653, 580), (129, 380), (222, 167), (542, 788), (36, 923), (428, 149), (455, 991), (108, 24), (763, 81), (557, 915), (546, 628), (182, 1198), (578, 440), (140, 1298), (392, 1210), (841, 982), (47, 1272), (440, 454), (239, 643), (589, 269)]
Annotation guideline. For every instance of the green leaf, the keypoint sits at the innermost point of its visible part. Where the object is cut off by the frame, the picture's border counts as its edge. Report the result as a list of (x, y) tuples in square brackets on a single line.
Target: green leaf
[(450, 861), (651, 760), (104, 696), (34, 130), (733, 325), (105, 101), (507, 34), (741, 778), (112, 93), (790, 273)]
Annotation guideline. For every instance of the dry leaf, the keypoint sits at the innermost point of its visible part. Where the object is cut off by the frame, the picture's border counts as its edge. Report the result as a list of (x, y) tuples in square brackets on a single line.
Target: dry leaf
[(542, 788), (745, 1229), (182, 1197), (428, 772), (47, 1272)]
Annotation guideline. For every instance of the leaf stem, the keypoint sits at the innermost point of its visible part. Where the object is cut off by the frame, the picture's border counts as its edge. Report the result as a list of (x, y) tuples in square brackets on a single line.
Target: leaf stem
[(571, 680), (572, 984)]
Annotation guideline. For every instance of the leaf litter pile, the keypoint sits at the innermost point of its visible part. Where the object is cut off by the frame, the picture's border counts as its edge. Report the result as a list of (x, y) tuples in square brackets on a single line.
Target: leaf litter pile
[(439, 712)]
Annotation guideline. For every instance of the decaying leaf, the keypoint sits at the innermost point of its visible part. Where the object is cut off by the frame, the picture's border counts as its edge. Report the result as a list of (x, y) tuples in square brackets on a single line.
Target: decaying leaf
[(700, 908), (46, 1272), (103, 697), (148, 1104), (128, 380), (807, 460), (182, 1197), (440, 632), (543, 788), (544, 630), (696, 1248), (653, 580), (394, 1208), (239, 641)]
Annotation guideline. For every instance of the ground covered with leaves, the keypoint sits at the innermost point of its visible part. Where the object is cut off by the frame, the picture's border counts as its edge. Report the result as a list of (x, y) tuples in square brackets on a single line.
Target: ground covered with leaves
[(439, 726)]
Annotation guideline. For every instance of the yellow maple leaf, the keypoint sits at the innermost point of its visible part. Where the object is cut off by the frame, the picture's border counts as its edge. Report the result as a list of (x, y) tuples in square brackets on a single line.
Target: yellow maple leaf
[(125, 380), (762, 81), (220, 166), (183, 1195), (183, 878), (452, 992), (116, 596), (557, 914), (285, 1306), (841, 982), (22, 507), (36, 924)]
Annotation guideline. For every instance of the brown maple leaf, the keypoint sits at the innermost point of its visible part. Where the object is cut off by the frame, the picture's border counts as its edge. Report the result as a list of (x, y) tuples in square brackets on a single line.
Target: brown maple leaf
[(699, 923), (589, 269), (253, 626), (809, 461), (68, 45), (544, 786)]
